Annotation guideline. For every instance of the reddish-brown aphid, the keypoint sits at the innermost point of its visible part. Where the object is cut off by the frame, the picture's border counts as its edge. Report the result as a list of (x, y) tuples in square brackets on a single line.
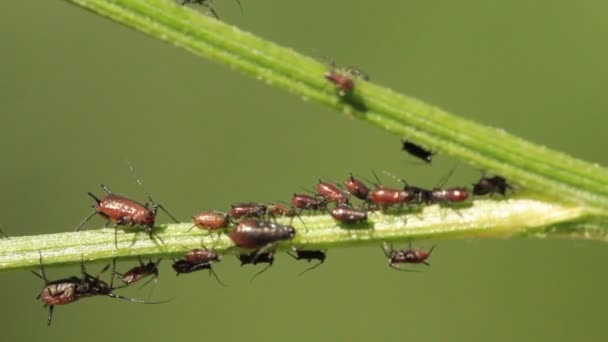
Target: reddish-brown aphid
[(240, 210), (68, 290), (125, 212), (259, 234), (308, 255), (331, 193), (356, 188), (200, 256), (349, 215), (452, 195), (405, 256), (255, 258), (141, 271), (306, 202), (343, 82), (385, 197), (210, 220), (197, 260)]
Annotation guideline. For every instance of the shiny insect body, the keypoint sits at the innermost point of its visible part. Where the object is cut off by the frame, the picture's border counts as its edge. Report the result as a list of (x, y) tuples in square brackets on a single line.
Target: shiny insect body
[(69, 290), (197, 260), (243, 210), (141, 271), (306, 202), (126, 212), (417, 151), (331, 193), (406, 256), (349, 215), (357, 188), (210, 220), (260, 234)]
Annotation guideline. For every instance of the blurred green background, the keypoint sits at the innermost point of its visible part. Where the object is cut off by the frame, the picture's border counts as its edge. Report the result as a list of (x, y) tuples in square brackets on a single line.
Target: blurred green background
[(79, 94)]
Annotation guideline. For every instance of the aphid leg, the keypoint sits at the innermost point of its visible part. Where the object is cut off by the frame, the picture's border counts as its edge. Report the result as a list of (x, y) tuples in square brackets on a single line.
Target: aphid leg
[(395, 266), (51, 307), (211, 271), (262, 251), (83, 221), (106, 189), (260, 272), (387, 248)]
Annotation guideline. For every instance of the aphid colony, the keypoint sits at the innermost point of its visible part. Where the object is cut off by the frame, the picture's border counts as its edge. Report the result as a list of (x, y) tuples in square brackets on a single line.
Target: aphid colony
[(253, 226)]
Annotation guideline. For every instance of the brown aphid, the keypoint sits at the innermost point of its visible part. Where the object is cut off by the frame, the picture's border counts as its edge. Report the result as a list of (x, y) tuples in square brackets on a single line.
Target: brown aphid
[(356, 188), (210, 220), (385, 197), (405, 256), (241, 210), (331, 193), (141, 271), (450, 195), (306, 202), (126, 212), (68, 290), (260, 234), (343, 82), (200, 256), (349, 215)]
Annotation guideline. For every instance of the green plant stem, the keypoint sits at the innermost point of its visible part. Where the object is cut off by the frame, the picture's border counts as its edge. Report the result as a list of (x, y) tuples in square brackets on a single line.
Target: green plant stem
[(533, 167), (484, 218)]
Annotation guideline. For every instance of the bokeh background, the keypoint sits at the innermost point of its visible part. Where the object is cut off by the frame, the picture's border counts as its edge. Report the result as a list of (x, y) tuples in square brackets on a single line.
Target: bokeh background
[(79, 94)]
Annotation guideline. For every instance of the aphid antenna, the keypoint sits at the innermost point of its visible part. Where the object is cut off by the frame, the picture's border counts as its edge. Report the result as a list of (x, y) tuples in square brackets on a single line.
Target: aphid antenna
[(204, 4), (444, 180), (240, 6), (86, 219), (400, 180), (2, 232), (133, 300), (379, 183), (308, 191), (155, 205)]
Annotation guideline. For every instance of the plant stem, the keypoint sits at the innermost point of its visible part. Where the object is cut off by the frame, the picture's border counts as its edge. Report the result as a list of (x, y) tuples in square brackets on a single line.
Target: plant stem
[(484, 218), (536, 168)]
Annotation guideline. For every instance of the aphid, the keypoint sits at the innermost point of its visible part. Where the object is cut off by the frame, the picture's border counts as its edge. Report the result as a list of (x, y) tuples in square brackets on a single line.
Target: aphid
[(202, 256), (255, 258), (68, 290), (331, 193), (349, 215), (343, 82), (417, 151), (141, 271), (306, 202), (2, 232), (210, 220), (384, 197), (279, 209), (450, 195), (356, 188), (197, 260), (308, 255), (126, 212), (491, 185), (240, 210), (259, 234), (405, 256)]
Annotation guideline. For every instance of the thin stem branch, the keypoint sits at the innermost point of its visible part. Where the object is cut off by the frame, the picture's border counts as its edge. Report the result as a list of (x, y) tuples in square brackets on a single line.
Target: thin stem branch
[(484, 218), (536, 168)]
